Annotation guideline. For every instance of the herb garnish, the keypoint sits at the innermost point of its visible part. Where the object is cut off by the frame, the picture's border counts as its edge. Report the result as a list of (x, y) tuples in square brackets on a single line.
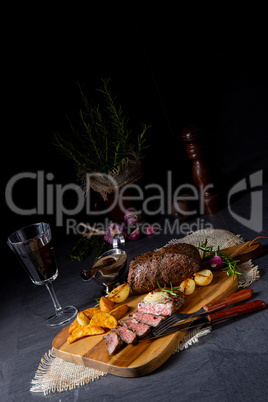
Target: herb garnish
[(85, 246), (230, 264), (97, 302), (170, 291), (206, 250)]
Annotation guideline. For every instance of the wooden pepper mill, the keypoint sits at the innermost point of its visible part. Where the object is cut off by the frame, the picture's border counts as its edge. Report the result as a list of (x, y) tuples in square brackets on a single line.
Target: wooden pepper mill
[(200, 170)]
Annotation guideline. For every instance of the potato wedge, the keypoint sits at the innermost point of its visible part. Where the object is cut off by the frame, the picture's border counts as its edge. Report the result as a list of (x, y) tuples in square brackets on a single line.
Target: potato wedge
[(105, 320), (82, 318), (120, 293), (73, 326), (106, 305), (91, 311), (119, 311), (85, 330), (204, 277), (188, 286)]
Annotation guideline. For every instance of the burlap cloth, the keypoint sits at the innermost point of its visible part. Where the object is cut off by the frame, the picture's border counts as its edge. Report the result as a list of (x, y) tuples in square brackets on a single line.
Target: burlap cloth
[(57, 375)]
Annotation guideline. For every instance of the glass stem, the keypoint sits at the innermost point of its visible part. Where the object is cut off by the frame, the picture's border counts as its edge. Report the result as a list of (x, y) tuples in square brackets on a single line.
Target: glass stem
[(52, 293)]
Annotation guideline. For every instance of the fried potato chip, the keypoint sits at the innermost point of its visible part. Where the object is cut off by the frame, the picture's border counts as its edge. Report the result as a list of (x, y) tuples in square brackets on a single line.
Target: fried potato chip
[(119, 311), (83, 331), (105, 320), (73, 326), (82, 318), (106, 305), (91, 311)]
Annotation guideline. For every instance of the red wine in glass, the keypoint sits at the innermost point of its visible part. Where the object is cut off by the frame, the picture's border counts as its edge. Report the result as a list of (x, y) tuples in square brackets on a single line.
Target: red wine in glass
[(34, 249), (40, 264)]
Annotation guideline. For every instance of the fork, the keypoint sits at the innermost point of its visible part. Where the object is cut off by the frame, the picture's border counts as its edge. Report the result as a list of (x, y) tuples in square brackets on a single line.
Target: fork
[(210, 319), (208, 308)]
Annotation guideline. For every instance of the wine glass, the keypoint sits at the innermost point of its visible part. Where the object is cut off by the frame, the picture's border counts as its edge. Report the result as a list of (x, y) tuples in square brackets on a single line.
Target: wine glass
[(33, 246)]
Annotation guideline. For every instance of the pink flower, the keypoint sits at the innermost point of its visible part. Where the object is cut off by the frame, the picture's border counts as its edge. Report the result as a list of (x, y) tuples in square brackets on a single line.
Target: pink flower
[(131, 216), (112, 230), (150, 229)]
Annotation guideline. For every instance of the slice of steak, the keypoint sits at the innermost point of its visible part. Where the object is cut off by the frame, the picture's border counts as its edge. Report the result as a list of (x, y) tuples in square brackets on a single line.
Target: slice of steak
[(147, 318), (139, 328), (113, 342), (126, 334), (170, 306)]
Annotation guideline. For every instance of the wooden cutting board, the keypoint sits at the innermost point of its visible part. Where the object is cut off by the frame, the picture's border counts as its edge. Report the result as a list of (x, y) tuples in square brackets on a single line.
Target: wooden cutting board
[(146, 356)]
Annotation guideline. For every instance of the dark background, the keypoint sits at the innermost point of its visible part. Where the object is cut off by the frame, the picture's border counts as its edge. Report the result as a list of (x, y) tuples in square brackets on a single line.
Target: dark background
[(169, 69)]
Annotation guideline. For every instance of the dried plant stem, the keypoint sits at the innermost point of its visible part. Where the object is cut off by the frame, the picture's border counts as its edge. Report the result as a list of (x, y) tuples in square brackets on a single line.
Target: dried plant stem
[(98, 231), (92, 234)]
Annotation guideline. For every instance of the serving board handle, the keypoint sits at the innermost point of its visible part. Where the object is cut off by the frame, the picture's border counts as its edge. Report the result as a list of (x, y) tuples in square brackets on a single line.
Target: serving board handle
[(244, 251)]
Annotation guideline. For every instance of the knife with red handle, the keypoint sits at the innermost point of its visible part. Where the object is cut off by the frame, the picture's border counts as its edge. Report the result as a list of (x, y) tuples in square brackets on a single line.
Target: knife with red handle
[(216, 317), (236, 311), (208, 308), (219, 304)]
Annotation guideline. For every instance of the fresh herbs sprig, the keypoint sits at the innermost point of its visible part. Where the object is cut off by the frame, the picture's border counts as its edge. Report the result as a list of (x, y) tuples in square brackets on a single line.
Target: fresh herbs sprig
[(97, 302), (85, 246), (230, 264), (206, 250), (170, 291), (100, 137)]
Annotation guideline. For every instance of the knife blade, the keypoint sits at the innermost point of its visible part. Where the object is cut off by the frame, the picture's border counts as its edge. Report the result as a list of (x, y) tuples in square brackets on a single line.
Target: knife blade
[(213, 318)]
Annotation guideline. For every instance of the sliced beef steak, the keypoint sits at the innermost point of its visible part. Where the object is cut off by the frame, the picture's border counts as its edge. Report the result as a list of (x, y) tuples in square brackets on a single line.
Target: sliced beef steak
[(113, 342), (173, 263), (166, 308), (147, 318), (139, 328), (126, 334)]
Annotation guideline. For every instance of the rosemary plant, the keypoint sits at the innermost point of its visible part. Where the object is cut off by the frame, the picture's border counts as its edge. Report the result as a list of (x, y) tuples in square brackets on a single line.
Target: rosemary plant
[(101, 138), (101, 141)]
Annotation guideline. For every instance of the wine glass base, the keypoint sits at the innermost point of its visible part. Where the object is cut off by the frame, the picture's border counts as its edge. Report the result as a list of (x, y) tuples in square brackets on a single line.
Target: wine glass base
[(61, 317)]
